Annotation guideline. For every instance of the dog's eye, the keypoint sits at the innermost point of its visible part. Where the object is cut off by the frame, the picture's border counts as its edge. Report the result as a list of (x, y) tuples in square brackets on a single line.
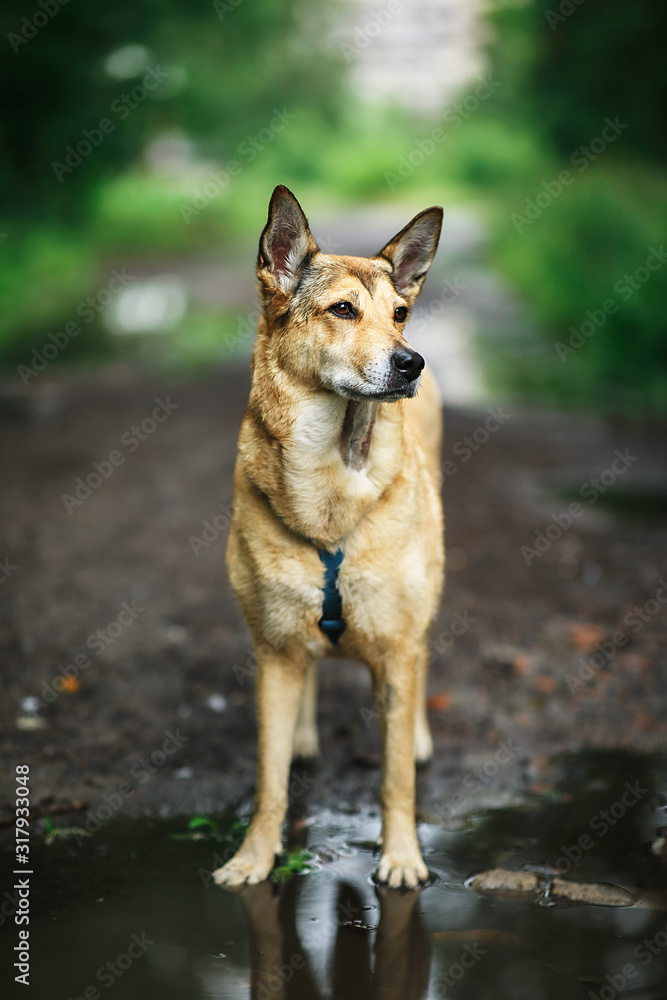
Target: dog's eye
[(400, 314), (342, 309)]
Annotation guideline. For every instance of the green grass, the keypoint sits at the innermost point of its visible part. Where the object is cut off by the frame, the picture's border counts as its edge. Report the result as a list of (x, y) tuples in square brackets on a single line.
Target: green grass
[(295, 862), (54, 833)]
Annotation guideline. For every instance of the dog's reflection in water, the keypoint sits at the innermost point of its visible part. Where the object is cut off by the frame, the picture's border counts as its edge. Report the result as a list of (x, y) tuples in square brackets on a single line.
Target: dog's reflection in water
[(390, 963)]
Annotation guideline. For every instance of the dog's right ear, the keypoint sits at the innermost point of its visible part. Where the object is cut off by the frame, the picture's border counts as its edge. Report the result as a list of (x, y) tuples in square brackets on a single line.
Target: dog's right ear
[(285, 244)]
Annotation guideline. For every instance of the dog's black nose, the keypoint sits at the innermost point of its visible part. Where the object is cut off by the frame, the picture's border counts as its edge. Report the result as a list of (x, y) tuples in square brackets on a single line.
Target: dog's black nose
[(408, 363)]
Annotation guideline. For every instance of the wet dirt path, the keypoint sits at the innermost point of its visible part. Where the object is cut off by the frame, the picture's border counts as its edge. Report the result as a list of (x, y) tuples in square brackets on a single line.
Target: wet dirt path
[(127, 677)]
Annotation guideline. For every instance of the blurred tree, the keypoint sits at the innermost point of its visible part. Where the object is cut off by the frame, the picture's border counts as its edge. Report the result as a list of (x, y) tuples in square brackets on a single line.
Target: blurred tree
[(565, 66), (74, 78), (572, 63)]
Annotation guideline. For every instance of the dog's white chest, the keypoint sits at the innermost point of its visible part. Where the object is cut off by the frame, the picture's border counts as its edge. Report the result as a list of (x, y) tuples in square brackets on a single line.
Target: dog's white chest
[(325, 493)]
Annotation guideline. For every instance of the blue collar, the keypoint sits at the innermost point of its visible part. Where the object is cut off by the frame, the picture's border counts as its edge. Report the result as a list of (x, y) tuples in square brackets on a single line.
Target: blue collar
[(332, 622)]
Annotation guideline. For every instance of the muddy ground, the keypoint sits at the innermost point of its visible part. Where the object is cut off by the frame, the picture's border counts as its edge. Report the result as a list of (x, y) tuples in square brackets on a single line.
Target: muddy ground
[(518, 685)]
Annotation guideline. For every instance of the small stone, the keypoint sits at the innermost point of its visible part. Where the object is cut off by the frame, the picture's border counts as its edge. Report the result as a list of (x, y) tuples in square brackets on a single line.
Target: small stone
[(595, 893), (217, 703), (30, 723), (182, 773), (505, 882), (175, 634)]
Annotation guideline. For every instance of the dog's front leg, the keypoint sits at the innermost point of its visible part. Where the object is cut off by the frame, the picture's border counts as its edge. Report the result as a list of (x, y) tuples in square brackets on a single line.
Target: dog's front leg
[(279, 684), (401, 862)]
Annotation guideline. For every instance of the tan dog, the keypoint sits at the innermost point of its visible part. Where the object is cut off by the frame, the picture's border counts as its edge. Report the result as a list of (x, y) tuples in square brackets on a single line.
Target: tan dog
[(336, 542)]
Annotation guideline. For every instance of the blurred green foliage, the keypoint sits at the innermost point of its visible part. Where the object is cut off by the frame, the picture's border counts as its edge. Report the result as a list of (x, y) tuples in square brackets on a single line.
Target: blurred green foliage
[(561, 69), (86, 88), (220, 67), (567, 64), (567, 69)]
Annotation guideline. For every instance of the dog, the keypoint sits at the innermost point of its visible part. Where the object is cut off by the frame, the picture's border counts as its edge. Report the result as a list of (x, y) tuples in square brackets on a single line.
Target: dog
[(336, 545)]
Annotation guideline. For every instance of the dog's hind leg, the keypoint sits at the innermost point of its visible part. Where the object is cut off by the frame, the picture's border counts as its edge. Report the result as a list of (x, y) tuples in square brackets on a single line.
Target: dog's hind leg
[(279, 683), (423, 739), (306, 742)]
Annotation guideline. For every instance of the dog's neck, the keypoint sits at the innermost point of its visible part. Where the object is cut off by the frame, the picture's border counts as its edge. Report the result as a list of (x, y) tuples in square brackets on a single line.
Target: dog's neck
[(322, 461)]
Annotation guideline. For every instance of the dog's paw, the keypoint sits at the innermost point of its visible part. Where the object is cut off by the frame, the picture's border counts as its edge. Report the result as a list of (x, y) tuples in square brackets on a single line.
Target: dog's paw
[(401, 871), (244, 868)]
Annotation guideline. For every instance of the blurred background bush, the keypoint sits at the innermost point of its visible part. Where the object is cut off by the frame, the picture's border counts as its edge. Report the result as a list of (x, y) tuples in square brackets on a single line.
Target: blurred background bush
[(148, 136)]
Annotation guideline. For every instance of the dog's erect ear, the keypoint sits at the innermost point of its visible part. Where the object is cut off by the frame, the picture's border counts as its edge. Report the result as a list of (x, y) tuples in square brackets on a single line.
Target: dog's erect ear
[(285, 243), (411, 251)]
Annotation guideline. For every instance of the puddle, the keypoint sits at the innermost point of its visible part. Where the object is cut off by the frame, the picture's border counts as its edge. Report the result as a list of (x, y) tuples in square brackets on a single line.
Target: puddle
[(131, 912)]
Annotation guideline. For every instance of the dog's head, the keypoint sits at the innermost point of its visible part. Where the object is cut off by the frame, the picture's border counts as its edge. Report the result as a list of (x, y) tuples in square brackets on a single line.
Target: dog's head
[(337, 321)]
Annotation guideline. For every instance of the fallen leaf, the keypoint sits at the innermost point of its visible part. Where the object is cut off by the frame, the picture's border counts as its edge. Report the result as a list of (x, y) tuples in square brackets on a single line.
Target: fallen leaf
[(439, 702), (584, 635), (545, 684), (521, 664)]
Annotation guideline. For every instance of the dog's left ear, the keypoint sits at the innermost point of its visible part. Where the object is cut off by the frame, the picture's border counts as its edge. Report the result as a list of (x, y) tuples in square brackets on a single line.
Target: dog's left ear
[(286, 242), (411, 251)]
